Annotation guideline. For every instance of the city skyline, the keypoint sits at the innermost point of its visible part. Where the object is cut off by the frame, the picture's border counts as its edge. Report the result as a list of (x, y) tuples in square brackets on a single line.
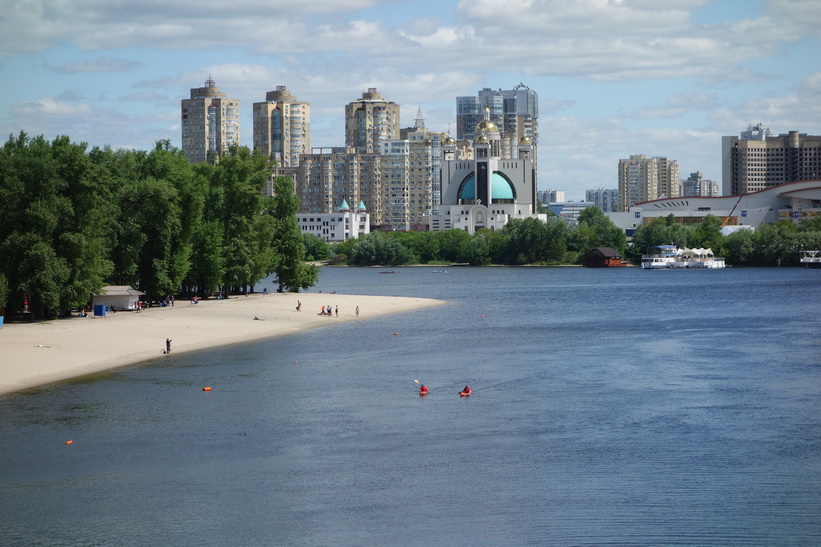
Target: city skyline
[(614, 77)]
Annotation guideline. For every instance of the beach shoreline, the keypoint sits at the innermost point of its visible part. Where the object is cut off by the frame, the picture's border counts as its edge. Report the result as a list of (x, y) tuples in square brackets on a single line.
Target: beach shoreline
[(38, 354)]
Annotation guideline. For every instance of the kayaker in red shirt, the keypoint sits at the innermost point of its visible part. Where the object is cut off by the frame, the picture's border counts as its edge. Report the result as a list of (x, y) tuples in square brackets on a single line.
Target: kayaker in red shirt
[(467, 390), (423, 390)]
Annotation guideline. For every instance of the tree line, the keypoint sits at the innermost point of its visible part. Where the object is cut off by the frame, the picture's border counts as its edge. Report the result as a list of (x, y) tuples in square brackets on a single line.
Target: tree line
[(75, 220), (531, 241)]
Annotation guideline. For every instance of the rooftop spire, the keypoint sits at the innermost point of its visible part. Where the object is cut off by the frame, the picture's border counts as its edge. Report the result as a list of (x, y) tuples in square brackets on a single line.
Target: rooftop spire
[(420, 121)]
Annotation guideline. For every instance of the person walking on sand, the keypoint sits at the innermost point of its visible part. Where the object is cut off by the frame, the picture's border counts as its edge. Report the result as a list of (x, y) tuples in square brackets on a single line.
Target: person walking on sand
[(167, 345), (298, 305), (336, 310), (357, 311)]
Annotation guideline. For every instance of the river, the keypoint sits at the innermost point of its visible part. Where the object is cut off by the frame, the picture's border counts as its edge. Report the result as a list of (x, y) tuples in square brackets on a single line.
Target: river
[(609, 407)]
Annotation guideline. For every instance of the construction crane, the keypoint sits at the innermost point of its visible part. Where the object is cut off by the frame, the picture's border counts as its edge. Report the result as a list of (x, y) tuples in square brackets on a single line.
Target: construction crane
[(726, 220)]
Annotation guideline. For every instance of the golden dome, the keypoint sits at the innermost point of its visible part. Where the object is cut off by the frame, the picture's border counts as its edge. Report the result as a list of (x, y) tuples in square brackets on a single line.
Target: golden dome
[(449, 141), (482, 139), (525, 140), (486, 126)]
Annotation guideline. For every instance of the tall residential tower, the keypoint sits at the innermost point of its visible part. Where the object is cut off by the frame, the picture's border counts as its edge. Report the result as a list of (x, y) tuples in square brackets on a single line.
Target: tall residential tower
[(210, 123), (369, 120), (282, 127)]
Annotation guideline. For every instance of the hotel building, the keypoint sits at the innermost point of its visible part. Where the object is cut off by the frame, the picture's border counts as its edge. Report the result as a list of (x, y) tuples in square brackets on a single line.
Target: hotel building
[(756, 160)]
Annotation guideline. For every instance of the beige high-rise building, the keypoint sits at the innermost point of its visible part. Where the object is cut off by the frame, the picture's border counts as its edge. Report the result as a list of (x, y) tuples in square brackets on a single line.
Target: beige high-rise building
[(369, 120), (758, 160), (330, 178), (645, 179), (210, 123), (282, 127)]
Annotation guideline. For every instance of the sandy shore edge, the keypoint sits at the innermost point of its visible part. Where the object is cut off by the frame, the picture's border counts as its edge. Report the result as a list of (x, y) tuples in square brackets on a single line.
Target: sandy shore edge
[(37, 354)]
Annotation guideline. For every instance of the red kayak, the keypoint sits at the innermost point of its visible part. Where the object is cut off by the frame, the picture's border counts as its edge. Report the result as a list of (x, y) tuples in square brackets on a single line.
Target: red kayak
[(464, 393), (423, 393)]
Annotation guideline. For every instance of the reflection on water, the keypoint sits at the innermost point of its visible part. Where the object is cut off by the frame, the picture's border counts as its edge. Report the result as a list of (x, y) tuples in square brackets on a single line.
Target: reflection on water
[(609, 407)]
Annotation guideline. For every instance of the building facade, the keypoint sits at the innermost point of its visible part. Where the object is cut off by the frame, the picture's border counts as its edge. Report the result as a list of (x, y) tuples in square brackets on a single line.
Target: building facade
[(341, 225), (645, 179), (605, 199), (209, 122), (757, 160), (696, 185), (282, 127), (794, 202), (424, 163), (369, 120), (487, 191), (329, 177), (514, 111)]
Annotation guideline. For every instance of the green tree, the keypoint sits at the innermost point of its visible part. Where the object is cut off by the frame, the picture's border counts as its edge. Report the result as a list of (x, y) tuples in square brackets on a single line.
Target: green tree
[(292, 272), (315, 247), (236, 203), (707, 234), (376, 248), (451, 244), (603, 233), (55, 208)]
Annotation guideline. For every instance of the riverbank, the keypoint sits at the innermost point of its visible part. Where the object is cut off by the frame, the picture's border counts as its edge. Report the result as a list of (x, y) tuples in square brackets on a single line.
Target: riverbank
[(41, 353)]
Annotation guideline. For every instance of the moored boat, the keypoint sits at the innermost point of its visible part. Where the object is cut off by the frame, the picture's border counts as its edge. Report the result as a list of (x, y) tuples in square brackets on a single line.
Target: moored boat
[(811, 259), (671, 257)]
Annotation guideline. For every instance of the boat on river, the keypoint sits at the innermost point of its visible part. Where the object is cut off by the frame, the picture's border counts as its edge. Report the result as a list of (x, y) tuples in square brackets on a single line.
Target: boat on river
[(811, 259), (667, 257)]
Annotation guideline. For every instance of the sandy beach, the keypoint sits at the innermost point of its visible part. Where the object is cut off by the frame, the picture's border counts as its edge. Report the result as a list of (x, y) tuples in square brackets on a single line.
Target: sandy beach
[(41, 353)]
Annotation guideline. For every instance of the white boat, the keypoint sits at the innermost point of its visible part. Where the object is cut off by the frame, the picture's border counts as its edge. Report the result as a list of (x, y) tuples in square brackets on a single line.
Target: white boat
[(811, 259), (671, 257)]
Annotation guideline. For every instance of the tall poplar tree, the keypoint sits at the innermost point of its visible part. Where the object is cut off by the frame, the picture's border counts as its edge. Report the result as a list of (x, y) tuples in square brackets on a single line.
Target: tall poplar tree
[(292, 272)]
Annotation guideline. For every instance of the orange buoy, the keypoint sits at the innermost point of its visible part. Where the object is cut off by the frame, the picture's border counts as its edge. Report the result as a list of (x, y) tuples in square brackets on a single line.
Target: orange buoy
[(69, 442), (396, 334), (207, 388)]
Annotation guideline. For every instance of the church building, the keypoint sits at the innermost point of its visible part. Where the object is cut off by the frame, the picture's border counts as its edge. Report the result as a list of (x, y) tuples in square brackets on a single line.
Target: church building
[(487, 191)]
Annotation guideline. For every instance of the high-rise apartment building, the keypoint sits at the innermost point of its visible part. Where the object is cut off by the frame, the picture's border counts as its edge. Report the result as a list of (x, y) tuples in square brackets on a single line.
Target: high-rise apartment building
[(282, 127), (645, 179), (424, 163), (696, 185), (330, 178), (605, 199), (369, 120), (515, 112), (757, 160), (210, 123)]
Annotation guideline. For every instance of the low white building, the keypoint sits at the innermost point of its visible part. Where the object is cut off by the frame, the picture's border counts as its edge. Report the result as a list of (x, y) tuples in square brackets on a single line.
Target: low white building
[(117, 297), (794, 202), (342, 225)]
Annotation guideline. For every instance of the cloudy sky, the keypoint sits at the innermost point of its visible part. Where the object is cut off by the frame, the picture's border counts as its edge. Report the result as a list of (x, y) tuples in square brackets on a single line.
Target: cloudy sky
[(614, 77)]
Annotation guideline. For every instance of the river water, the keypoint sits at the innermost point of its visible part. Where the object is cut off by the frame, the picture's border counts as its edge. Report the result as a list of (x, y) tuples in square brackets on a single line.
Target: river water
[(610, 407)]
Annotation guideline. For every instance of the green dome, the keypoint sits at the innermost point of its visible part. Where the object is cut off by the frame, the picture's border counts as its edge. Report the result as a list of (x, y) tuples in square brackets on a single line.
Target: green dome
[(500, 188)]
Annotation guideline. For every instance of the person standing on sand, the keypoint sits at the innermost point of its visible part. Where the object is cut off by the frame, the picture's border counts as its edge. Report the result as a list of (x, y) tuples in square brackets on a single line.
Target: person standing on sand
[(336, 310), (167, 345), (298, 305), (357, 311)]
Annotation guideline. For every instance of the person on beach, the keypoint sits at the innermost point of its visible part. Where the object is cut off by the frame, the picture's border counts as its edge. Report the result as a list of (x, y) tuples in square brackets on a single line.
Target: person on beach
[(336, 310), (298, 305), (167, 345), (357, 311)]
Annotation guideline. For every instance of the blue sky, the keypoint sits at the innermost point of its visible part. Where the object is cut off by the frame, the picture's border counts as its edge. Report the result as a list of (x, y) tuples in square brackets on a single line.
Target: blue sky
[(614, 77)]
